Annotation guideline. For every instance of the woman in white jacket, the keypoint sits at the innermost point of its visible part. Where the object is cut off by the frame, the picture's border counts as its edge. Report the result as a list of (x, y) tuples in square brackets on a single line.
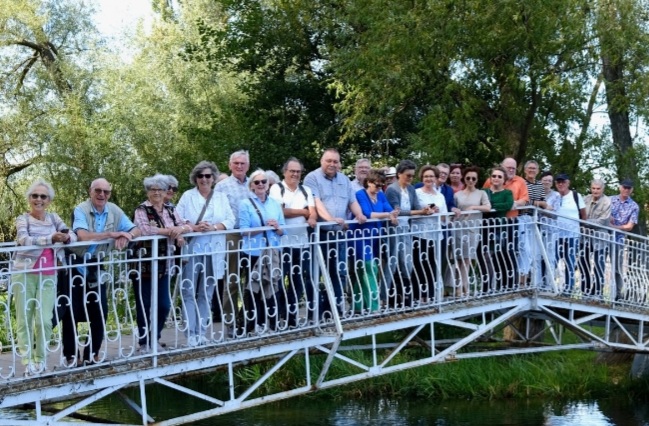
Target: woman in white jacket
[(204, 210)]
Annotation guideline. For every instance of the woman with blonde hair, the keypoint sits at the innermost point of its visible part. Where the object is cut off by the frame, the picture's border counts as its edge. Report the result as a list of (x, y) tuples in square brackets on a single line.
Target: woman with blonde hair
[(33, 281)]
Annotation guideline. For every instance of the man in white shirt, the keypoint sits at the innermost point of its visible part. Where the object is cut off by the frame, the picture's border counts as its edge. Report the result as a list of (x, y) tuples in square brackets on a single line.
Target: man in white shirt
[(299, 210), (571, 208)]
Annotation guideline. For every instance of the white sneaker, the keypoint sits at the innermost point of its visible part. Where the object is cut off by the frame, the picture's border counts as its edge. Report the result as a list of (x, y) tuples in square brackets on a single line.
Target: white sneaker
[(202, 340), (193, 341), (143, 350), (33, 368)]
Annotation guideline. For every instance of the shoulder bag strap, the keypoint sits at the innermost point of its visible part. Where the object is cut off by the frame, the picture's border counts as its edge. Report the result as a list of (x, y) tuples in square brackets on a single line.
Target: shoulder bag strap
[(200, 216), (261, 218)]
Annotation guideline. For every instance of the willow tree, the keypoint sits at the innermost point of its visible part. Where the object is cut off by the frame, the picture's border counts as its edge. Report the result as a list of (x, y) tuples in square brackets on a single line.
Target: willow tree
[(44, 88)]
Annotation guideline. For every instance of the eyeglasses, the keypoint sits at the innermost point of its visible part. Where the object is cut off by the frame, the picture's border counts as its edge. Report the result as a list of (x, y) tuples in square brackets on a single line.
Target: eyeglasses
[(156, 190), (497, 176), (443, 174), (41, 196), (100, 191), (471, 178), (204, 175), (263, 182), (429, 177), (295, 172)]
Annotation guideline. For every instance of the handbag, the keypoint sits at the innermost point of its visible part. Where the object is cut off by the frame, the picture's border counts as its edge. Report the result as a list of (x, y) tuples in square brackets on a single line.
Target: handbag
[(266, 273)]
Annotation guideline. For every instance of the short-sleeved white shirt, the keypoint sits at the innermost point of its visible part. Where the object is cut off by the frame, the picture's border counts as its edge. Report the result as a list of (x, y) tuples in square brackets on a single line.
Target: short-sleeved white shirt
[(293, 200)]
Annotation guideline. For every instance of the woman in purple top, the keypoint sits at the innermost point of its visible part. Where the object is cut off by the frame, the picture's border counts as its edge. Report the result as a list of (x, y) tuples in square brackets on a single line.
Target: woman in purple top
[(374, 205)]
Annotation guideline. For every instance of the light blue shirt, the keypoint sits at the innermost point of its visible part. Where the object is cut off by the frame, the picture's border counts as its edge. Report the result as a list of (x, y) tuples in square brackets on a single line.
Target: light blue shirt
[(81, 222), (249, 218)]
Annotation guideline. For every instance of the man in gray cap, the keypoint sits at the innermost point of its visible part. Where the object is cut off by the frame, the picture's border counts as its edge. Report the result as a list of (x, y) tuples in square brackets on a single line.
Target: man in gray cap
[(624, 216)]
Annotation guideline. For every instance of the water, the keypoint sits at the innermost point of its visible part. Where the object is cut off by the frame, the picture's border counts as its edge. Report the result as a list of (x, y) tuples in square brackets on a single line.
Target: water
[(317, 412)]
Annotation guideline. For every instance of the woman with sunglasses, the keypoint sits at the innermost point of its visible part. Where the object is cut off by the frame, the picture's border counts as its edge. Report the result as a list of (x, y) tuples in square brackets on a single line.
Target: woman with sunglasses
[(402, 195), (262, 259), (367, 241), (203, 210), (33, 282), (497, 251), (466, 236), (172, 190)]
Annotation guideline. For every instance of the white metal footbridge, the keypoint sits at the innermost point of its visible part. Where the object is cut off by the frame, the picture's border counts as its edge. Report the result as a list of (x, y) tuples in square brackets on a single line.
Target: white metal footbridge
[(453, 289)]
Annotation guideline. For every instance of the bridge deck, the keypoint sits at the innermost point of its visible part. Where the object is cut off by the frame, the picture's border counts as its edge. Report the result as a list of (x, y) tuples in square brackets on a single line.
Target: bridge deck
[(538, 314)]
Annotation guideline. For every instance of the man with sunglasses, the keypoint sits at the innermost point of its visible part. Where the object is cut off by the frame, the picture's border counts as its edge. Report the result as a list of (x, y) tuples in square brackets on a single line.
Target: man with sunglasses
[(624, 216), (95, 219)]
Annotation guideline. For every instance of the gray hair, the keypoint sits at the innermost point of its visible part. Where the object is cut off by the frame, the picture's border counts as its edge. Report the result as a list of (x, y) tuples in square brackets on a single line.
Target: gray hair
[(272, 177), (253, 175), (292, 159), (199, 168), (40, 182), (444, 165), (161, 181), (171, 180), (598, 182), (240, 153), (528, 162), (363, 160)]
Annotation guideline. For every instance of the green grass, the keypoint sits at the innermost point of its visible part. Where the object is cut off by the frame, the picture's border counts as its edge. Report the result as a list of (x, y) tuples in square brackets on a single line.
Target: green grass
[(567, 374)]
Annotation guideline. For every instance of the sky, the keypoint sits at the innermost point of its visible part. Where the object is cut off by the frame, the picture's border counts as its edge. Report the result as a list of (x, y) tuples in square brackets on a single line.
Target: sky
[(114, 16)]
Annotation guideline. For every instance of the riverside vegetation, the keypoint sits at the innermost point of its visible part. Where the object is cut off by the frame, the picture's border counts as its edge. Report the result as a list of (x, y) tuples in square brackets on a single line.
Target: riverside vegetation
[(553, 375)]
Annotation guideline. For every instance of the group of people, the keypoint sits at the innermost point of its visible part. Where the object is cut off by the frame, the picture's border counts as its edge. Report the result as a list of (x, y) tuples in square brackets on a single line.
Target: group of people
[(402, 240)]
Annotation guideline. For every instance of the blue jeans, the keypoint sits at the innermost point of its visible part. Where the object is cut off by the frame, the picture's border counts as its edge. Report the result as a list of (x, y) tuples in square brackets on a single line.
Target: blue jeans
[(142, 290)]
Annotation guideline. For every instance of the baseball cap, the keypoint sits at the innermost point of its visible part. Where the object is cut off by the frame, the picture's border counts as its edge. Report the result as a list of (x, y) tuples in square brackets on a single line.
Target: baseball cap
[(562, 176), (627, 182)]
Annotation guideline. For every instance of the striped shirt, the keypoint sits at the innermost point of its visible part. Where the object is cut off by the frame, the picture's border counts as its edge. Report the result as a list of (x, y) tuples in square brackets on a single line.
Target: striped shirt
[(536, 193)]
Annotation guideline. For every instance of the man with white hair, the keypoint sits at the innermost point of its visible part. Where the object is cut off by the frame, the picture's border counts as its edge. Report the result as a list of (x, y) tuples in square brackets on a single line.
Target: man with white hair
[(235, 187), (361, 171), (95, 219), (594, 240)]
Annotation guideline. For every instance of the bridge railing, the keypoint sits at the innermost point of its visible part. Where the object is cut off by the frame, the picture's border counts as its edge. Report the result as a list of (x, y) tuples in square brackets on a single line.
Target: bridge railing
[(224, 291)]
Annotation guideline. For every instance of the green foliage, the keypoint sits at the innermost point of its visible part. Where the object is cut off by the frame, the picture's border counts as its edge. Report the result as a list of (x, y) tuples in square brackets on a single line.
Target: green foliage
[(550, 375), (467, 81)]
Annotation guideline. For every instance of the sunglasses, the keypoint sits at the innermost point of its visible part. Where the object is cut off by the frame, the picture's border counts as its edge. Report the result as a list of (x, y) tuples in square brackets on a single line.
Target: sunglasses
[(497, 176), (37, 196), (173, 188), (100, 191), (470, 178), (626, 187), (263, 182), (206, 175)]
